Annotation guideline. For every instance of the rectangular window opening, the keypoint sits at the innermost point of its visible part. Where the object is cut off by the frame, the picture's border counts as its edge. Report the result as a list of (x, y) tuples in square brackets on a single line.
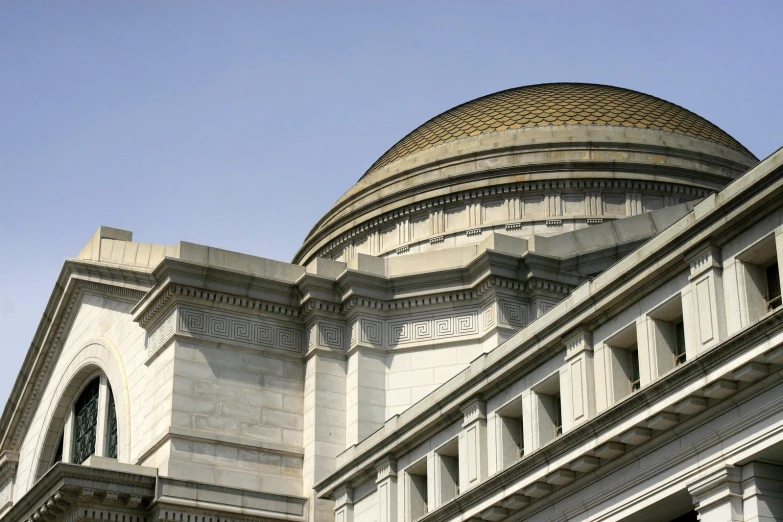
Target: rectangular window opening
[(760, 273), (550, 418), (772, 275), (668, 331), (448, 471), (635, 375), (511, 434), (623, 351), (416, 475), (679, 343)]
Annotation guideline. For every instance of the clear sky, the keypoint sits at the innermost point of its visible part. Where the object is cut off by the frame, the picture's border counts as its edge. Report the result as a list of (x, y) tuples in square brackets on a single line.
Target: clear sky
[(238, 124)]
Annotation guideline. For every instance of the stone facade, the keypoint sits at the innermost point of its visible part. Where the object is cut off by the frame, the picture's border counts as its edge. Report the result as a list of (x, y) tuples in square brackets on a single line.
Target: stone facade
[(540, 324)]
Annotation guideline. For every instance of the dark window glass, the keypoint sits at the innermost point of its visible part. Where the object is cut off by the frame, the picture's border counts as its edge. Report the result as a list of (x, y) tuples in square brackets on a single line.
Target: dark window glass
[(58, 452), (773, 287), (111, 428), (85, 417), (635, 379), (679, 340)]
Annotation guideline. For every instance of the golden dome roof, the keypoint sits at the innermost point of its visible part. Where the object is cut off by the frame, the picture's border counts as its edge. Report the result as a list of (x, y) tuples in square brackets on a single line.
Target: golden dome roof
[(549, 104)]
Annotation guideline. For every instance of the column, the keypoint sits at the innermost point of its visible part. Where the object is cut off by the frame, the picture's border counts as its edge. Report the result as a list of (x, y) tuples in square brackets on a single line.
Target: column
[(718, 496), (103, 418), (577, 384), (473, 445), (68, 436), (386, 481)]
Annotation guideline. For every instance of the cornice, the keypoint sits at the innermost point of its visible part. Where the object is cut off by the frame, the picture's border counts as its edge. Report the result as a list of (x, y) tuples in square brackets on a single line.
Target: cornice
[(351, 290), (172, 292), (66, 485)]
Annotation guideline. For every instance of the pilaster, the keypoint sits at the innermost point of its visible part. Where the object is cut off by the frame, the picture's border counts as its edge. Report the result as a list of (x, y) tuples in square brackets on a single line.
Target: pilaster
[(8, 463), (343, 504), (703, 305), (762, 492), (386, 481), (718, 496), (577, 382), (473, 445)]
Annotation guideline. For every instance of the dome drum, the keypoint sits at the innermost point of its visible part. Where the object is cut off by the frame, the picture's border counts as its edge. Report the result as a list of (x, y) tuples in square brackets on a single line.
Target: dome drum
[(546, 138)]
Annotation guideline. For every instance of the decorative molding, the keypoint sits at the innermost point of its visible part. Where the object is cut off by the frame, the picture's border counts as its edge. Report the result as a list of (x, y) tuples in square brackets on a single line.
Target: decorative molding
[(436, 239), (595, 221), (579, 341), (316, 305), (442, 326), (512, 313), (160, 335), (474, 410), (706, 259), (473, 232), (489, 316), (213, 297), (330, 335), (361, 231), (246, 330), (514, 226), (402, 249), (385, 468), (554, 222)]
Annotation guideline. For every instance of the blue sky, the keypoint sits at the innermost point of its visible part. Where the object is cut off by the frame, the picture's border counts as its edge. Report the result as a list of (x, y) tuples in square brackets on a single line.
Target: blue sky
[(238, 124)]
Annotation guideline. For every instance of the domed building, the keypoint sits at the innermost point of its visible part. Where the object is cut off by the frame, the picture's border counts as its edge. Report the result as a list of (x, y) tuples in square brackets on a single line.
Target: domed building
[(555, 302)]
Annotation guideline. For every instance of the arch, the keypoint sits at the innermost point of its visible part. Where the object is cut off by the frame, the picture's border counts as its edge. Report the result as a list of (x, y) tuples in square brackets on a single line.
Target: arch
[(97, 356)]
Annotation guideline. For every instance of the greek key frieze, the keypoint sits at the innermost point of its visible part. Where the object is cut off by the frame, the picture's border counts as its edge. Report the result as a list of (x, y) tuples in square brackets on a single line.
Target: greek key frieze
[(403, 331), (161, 334), (245, 330)]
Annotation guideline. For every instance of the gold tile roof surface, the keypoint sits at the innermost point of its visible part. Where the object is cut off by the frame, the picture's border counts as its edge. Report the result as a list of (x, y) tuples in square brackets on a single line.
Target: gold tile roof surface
[(557, 104)]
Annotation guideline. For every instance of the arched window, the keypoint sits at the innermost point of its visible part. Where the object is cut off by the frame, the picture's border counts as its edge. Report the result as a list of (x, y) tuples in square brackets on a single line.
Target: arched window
[(91, 427), (111, 428), (85, 421)]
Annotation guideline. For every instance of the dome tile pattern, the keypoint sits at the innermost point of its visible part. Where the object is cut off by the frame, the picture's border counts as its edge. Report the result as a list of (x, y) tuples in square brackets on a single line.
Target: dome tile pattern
[(557, 104)]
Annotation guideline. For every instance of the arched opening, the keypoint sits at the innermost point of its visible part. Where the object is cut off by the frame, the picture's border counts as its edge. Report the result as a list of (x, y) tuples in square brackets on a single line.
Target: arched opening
[(88, 427)]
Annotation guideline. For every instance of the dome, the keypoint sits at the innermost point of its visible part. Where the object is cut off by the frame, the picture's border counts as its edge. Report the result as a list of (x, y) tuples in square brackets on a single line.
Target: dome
[(553, 104), (530, 161)]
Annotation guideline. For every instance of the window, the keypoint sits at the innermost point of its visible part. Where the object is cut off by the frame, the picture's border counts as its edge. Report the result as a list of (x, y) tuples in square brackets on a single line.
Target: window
[(679, 340), (772, 274), (510, 433), (668, 336), (557, 415), (447, 462), (760, 276), (624, 364), (635, 377), (416, 490), (111, 428), (85, 422), (549, 412), (58, 452), (93, 415)]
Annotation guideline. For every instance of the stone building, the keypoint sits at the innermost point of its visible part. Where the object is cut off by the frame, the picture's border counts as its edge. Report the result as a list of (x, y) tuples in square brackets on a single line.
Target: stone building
[(556, 302)]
